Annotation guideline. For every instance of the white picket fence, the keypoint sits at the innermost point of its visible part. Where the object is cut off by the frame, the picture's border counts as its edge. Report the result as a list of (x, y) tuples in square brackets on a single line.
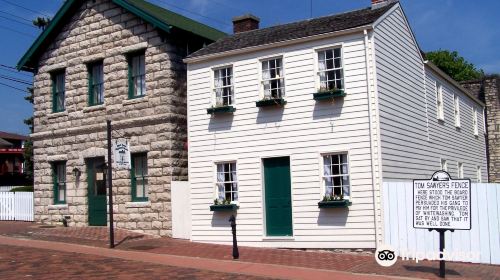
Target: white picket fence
[(481, 243), (6, 188), (16, 206)]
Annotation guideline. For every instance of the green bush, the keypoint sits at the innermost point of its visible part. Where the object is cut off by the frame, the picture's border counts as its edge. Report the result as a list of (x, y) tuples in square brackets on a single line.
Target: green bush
[(23, 189)]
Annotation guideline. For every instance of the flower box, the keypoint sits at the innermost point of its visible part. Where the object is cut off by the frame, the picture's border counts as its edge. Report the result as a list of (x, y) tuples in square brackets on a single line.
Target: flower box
[(322, 95), (223, 207), (335, 203), (221, 110), (270, 102)]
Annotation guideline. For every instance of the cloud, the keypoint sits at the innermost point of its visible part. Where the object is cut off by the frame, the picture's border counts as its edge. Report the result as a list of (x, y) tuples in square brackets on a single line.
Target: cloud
[(199, 6)]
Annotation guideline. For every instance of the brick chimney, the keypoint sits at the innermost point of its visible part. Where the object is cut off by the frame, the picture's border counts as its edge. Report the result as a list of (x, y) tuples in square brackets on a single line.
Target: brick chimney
[(245, 23), (381, 3)]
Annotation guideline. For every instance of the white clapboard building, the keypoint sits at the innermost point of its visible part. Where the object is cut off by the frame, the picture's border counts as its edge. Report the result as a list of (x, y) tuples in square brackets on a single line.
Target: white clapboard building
[(294, 128)]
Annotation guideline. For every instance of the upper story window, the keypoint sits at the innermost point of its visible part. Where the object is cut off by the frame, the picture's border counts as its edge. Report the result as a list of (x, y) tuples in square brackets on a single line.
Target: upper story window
[(479, 174), (460, 167), (59, 182), (136, 75), (273, 82), (223, 86), (474, 122), (330, 69), (96, 83), (227, 182), (336, 176), (456, 110), (439, 102), (444, 165), (58, 91), (139, 176)]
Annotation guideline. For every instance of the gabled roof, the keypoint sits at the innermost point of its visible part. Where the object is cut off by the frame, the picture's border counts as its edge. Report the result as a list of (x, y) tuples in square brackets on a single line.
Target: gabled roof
[(158, 17), (294, 30)]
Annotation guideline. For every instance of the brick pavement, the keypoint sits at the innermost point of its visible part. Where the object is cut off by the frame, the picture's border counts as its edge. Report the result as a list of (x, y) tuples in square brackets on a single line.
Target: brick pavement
[(24, 263), (324, 260)]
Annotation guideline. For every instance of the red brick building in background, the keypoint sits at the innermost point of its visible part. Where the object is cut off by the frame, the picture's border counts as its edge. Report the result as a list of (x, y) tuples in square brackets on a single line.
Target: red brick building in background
[(12, 159)]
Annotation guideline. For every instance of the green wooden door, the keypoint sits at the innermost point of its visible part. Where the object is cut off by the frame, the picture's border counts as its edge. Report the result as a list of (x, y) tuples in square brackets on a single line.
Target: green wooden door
[(278, 198), (96, 178)]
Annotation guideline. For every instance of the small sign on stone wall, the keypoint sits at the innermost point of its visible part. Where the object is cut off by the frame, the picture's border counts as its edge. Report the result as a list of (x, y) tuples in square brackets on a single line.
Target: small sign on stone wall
[(121, 153)]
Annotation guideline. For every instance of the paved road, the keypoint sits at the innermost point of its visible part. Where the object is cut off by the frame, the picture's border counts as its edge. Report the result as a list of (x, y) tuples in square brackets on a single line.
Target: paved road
[(31, 263)]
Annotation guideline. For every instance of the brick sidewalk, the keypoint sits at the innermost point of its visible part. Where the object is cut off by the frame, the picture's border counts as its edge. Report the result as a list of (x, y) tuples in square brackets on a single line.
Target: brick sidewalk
[(354, 263)]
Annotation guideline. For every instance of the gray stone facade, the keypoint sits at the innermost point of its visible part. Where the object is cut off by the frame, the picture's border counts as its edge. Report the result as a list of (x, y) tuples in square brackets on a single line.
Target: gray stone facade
[(155, 124), (488, 90)]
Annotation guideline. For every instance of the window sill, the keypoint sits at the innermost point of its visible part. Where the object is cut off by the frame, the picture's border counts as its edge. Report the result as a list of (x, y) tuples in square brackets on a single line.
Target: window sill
[(225, 207), (92, 108), (271, 102), (135, 100), (278, 238), (57, 207), (324, 95), (221, 110), (57, 114), (335, 204), (138, 204)]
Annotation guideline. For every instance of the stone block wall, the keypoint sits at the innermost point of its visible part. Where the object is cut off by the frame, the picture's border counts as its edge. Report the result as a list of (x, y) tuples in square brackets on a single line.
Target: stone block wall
[(488, 90), (155, 124)]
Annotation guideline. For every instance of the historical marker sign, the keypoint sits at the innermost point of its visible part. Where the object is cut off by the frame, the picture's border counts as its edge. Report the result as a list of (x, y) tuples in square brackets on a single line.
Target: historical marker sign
[(121, 153), (442, 203)]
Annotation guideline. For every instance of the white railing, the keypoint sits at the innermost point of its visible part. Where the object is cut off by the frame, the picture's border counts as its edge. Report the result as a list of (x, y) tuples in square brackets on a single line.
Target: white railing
[(16, 206), (481, 244)]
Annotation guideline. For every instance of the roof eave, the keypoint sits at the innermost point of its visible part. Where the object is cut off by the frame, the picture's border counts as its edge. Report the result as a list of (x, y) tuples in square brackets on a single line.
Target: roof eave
[(140, 13), (449, 79), (26, 58), (277, 44)]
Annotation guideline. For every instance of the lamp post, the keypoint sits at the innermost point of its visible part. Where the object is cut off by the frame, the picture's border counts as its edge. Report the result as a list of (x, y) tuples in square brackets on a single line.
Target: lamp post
[(110, 189), (236, 253)]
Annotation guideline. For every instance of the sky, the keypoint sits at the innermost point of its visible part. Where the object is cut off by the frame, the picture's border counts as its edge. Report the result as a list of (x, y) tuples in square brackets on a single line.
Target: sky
[(469, 27)]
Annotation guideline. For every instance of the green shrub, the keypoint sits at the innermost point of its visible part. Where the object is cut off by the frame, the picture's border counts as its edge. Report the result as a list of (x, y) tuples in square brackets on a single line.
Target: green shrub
[(23, 189)]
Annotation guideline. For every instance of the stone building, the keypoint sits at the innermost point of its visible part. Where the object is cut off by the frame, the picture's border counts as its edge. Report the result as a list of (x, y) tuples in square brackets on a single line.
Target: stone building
[(118, 60), (488, 91)]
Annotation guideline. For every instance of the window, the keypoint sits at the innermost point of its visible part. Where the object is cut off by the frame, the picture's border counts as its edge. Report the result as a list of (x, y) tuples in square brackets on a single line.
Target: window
[(136, 75), (58, 94), (460, 170), (227, 182), (223, 87), (330, 69), (474, 122), (336, 175), (59, 181), (478, 174), (139, 176), (439, 102), (456, 110), (444, 165), (96, 83), (273, 81)]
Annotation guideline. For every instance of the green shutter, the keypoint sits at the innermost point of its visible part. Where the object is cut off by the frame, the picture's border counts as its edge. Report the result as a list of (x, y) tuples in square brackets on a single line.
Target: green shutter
[(130, 79), (91, 100), (54, 182), (54, 101)]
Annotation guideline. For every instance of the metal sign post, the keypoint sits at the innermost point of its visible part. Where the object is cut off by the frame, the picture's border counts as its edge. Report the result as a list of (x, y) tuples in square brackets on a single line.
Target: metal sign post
[(110, 189), (442, 204)]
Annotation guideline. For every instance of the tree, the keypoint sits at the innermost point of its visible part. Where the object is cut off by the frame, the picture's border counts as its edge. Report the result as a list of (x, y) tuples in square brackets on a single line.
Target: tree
[(454, 65), (41, 22), (28, 144)]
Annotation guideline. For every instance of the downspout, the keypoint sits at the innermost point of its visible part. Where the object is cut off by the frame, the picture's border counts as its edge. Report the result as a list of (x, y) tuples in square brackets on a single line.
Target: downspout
[(370, 123)]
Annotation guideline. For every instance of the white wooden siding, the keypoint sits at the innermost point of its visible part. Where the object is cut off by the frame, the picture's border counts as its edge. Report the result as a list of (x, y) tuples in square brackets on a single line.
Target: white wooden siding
[(412, 138), (302, 130)]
